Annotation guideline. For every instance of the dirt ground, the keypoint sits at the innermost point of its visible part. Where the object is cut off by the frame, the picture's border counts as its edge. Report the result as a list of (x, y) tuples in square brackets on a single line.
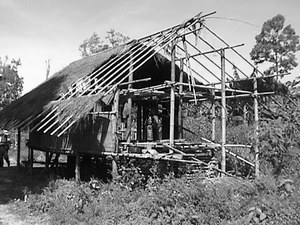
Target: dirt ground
[(14, 184)]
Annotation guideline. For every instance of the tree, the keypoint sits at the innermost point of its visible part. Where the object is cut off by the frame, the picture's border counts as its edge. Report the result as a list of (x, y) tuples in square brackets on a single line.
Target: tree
[(11, 84), (115, 38), (276, 44), (94, 44)]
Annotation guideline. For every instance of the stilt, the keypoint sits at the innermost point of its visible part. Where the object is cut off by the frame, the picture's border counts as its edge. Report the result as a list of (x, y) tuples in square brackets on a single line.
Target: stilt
[(30, 159), (114, 169), (77, 167), (139, 123), (223, 112)]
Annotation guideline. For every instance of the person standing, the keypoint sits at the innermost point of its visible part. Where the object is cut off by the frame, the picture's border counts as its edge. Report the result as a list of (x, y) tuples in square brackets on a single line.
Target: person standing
[(4, 147)]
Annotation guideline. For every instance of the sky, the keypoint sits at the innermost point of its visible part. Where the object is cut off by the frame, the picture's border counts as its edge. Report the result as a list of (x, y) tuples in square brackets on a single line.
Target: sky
[(38, 30)]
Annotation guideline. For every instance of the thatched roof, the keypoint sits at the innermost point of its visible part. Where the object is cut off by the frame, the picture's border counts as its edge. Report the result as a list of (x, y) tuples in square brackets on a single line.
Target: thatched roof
[(92, 80), (43, 98), (40, 98)]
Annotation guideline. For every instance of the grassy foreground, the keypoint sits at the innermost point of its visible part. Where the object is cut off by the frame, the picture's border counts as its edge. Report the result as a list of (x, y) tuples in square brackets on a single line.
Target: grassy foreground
[(170, 201)]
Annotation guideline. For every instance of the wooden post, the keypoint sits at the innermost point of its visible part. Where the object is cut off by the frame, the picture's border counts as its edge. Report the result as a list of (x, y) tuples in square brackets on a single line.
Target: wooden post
[(115, 120), (30, 159), (213, 114), (172, 95), (245, 114), (180, 120), (223, 111), (139, 122), (114, 169), (255, 106), (77, 167), (129, 103), (19, 148)]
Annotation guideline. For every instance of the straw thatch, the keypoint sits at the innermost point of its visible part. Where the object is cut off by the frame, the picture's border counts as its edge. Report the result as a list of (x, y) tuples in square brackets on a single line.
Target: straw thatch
[(40, 98), (43, 98)]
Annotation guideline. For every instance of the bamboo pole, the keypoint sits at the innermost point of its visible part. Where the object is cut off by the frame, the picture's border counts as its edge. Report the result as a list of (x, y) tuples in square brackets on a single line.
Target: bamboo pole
[(180, 119), (180, 25), (209, 59), (194, 71), (232, 49), (108, 83), (129, 104), (172, 93), (205, 67), (230, 152), (195, 160), (223, 112), (236, 96), (212, 47), (215, 88), (70, 93), (208, 52), (213, 122), (165, 41), (136, 81), (115, 120), (255, 106)]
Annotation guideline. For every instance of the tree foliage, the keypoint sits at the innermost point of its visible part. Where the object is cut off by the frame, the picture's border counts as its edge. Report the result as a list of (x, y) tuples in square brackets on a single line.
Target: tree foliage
[(95, 44), (276, 44), (11, 84)]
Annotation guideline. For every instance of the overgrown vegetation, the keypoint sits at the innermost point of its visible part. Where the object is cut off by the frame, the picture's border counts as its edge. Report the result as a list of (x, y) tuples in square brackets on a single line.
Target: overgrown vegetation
[(169, 201)]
